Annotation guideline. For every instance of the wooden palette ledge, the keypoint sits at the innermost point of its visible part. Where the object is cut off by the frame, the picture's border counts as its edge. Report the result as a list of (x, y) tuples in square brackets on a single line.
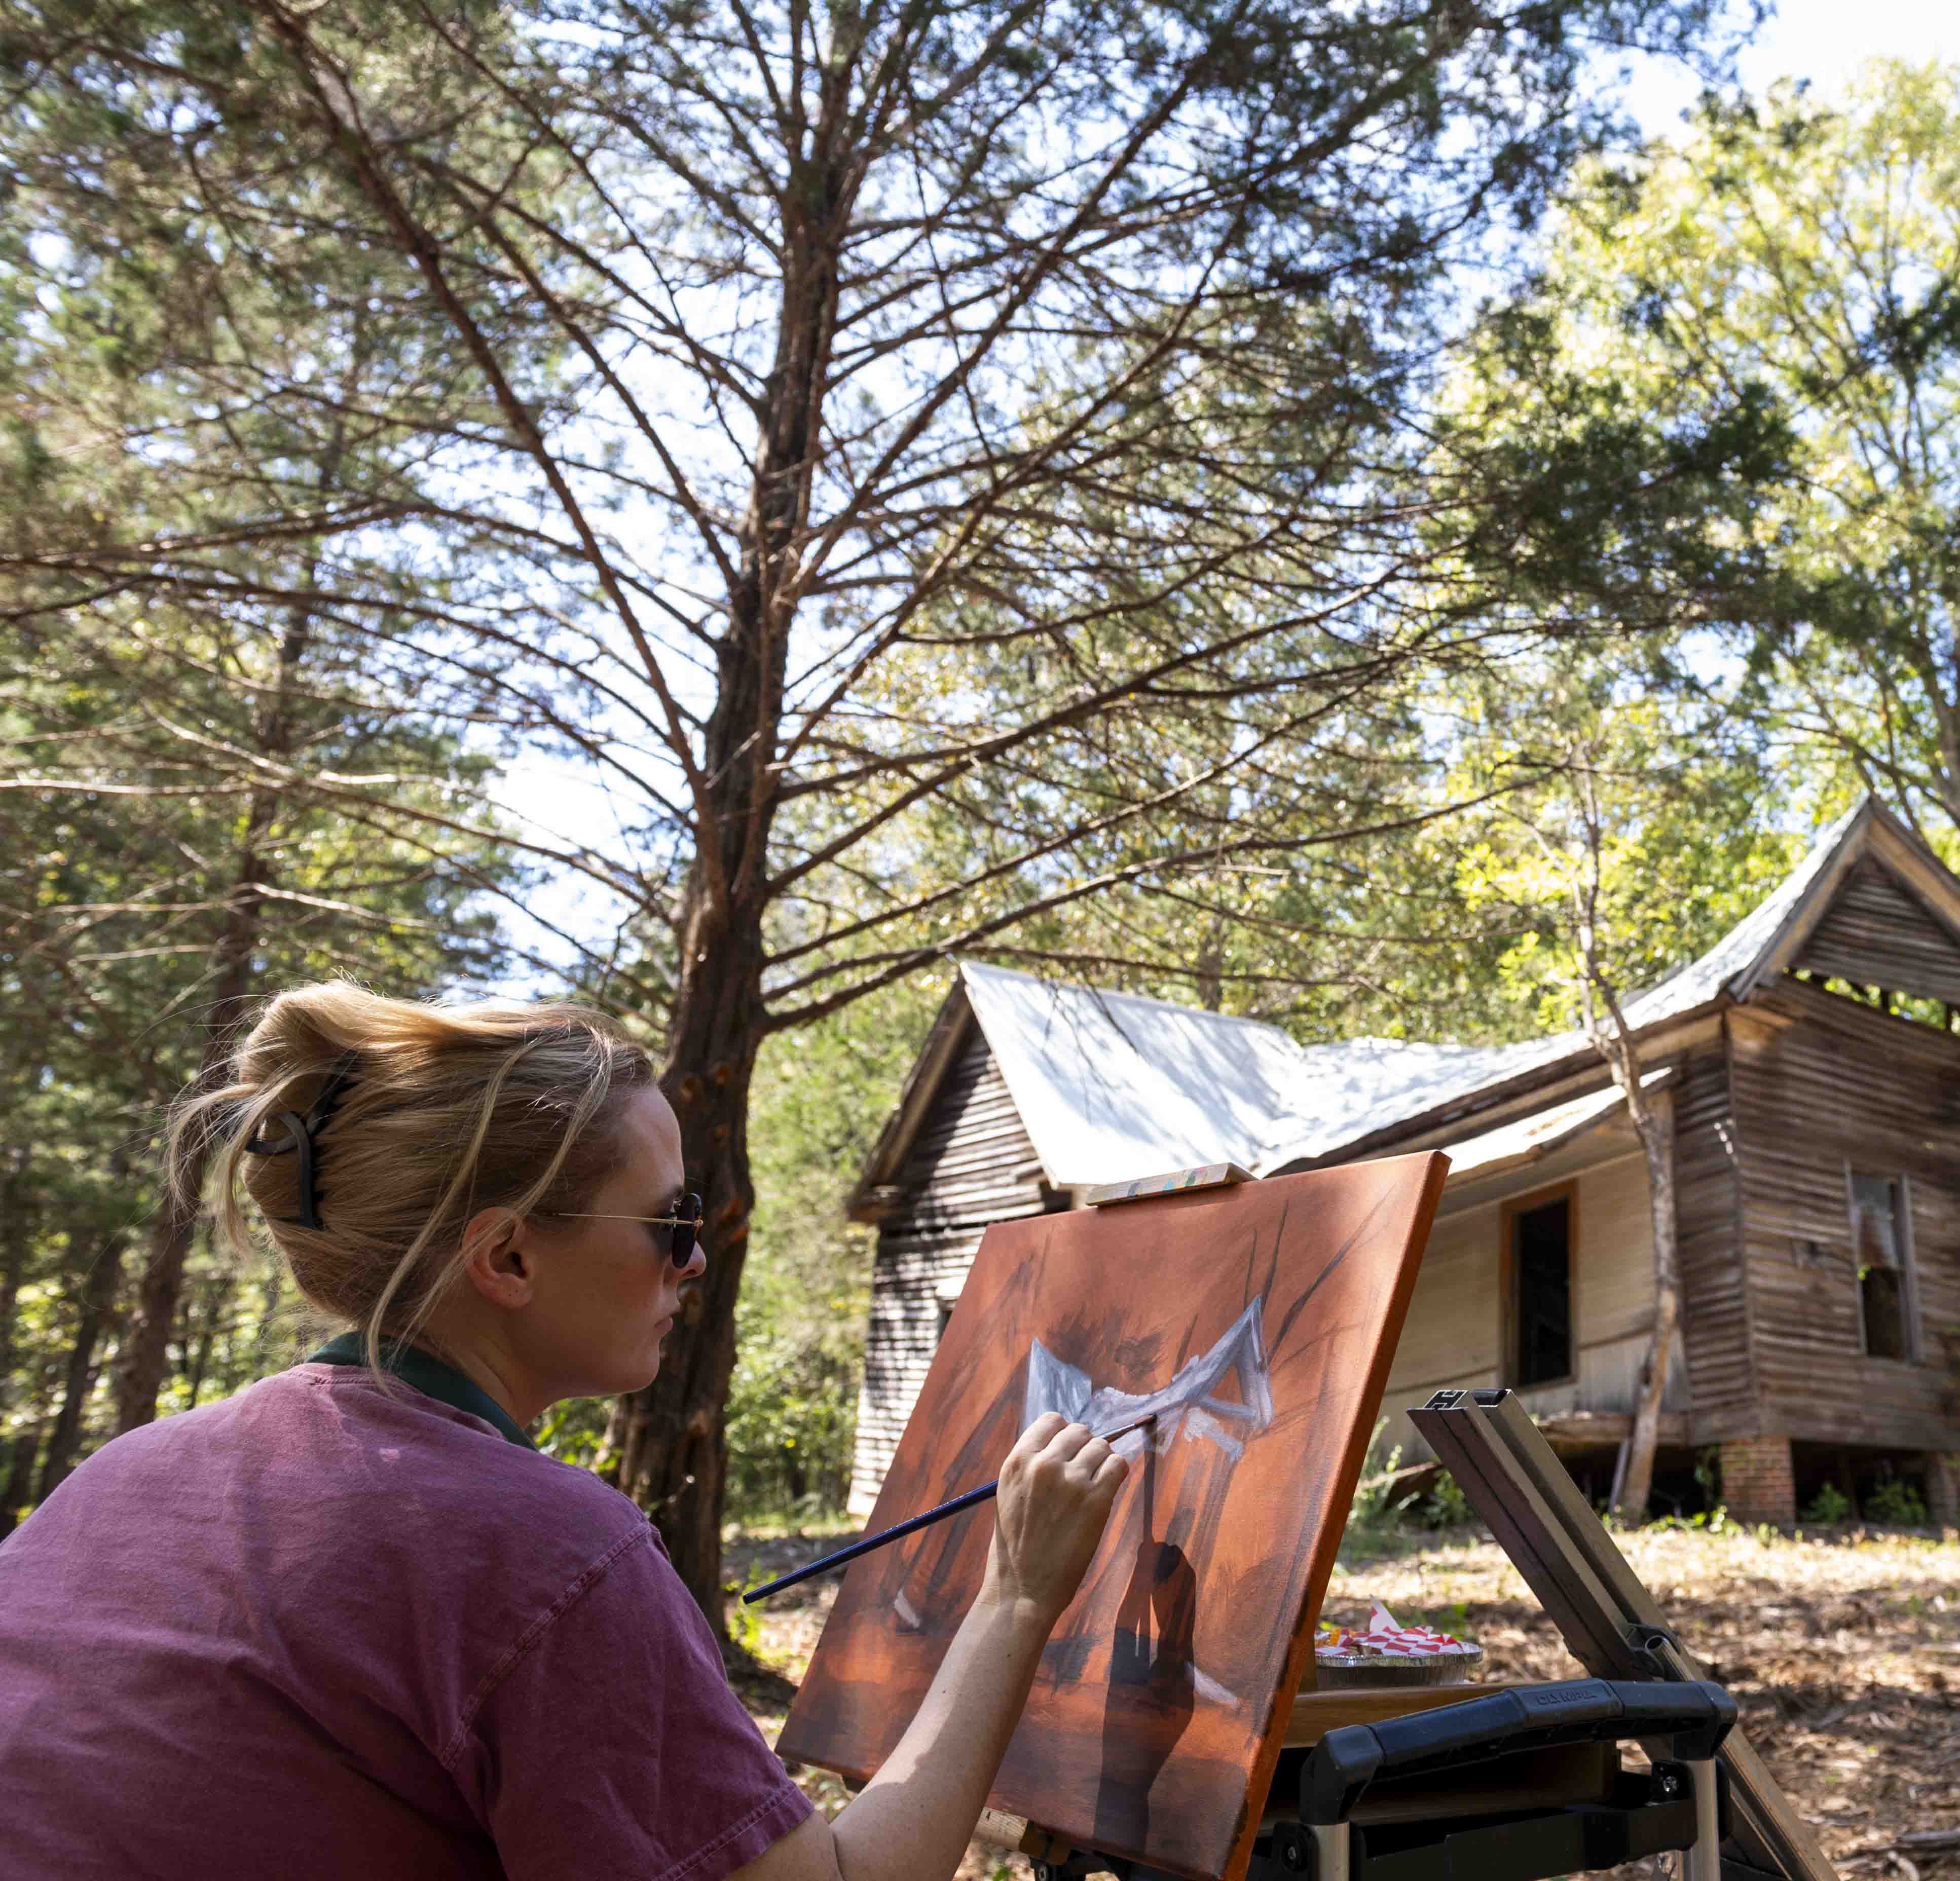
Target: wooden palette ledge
[(1317, 1713)]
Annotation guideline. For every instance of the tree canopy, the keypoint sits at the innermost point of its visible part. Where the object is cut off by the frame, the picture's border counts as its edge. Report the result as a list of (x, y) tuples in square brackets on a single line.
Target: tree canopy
[(1012, 480)]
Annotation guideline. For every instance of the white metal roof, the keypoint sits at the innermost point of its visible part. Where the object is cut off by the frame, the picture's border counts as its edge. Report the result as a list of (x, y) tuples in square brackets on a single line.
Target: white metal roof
[(1112, 1086), (1348, 1093), (1527, 1139)]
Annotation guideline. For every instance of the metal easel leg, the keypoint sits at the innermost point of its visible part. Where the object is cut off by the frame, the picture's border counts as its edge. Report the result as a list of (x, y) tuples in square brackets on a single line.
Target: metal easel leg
[(1704, 1861), (1330, 1850)]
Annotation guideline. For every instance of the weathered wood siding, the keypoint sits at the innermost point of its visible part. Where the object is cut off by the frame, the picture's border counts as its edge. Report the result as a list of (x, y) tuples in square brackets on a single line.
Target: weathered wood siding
[(1820, 1082), (1454, 1336), (1707, 1197), (1876, 933), (971, 1164)]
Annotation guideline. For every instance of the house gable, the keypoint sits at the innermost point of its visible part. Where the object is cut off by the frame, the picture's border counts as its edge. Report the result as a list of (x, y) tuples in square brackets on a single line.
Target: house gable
[(1877, 932), (966, 1162), (970, 1161)]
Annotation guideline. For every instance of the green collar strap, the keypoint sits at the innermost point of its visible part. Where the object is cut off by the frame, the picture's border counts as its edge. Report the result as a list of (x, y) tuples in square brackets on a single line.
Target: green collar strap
[(428, 1374)]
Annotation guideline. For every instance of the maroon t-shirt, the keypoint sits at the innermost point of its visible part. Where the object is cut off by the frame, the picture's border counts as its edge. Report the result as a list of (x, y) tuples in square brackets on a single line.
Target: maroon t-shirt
[(322, 1629)]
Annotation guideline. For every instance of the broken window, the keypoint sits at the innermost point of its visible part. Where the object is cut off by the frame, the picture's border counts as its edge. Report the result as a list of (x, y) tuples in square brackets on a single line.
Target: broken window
[(1881, 1252), (1541, 1292)]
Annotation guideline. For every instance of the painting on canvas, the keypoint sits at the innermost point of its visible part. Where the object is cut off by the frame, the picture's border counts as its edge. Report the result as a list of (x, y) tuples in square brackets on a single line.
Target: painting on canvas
[(1257, 1322)]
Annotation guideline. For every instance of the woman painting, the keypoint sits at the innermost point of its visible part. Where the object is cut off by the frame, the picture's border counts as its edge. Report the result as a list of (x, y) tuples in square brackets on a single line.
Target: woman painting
[(349, 1623)]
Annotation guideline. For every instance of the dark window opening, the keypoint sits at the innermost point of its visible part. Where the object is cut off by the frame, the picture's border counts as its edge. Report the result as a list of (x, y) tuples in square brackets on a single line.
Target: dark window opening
[(1542, 1284), (1880, 1253), (945, 1313)]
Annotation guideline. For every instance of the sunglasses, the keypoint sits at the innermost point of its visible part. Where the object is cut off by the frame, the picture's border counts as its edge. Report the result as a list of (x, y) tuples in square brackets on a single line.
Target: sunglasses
[(683, 1227)]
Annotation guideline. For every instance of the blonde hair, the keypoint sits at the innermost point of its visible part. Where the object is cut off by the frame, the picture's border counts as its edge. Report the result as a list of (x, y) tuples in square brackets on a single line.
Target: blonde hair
[(444, 1110)]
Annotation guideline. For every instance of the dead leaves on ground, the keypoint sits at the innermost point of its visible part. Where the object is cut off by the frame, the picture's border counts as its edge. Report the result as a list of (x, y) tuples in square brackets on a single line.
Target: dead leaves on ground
[(1844, 1654)]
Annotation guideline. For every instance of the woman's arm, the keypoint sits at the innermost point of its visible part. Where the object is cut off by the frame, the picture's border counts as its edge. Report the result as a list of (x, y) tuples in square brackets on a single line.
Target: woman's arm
[(913, 1820)]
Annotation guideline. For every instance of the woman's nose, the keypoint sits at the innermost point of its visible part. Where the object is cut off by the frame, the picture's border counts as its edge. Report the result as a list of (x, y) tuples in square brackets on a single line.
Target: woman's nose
[(697, 1263)]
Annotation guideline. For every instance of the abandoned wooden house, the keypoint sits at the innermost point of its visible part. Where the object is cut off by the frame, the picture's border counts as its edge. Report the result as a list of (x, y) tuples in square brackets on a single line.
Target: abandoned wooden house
[(1811, 1070)]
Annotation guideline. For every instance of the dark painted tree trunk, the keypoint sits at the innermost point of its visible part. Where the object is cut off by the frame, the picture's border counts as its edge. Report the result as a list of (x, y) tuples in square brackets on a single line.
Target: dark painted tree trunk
[(97, 1310)]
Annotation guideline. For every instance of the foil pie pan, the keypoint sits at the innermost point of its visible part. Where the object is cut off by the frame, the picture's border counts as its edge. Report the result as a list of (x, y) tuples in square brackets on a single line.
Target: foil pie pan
[(1336, 1671)]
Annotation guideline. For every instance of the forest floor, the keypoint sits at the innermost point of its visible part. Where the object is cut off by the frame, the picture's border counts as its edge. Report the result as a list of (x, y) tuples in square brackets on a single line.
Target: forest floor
[(1842, 1650)]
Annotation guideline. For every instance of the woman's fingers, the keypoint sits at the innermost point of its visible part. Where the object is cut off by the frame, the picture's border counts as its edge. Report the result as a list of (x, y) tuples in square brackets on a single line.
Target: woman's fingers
[(1090, 1457), (1035, 1438), (1057, 1488), (1069, 1442), (1112, 1473)]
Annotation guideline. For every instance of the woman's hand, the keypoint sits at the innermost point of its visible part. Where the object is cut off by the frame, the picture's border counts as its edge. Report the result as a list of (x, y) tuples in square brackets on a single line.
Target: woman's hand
[(1057, 1486), (911, 1822)]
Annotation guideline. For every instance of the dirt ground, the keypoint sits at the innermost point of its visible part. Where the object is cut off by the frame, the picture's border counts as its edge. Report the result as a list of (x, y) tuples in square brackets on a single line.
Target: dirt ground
[(1844, 1652)]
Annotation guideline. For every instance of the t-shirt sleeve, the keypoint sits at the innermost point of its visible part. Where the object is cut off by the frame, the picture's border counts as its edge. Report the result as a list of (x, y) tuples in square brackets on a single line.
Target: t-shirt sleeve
[(612, 1744)]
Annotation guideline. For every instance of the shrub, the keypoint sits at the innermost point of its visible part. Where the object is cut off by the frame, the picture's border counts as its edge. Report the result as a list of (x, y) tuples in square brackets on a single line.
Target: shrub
[(1898, 1502), (1370, 1505), (1446, 1506), (1830, 1505)]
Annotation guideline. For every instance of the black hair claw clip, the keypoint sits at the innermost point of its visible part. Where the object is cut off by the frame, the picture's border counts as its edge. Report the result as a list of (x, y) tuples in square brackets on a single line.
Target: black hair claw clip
[(301, 1131)]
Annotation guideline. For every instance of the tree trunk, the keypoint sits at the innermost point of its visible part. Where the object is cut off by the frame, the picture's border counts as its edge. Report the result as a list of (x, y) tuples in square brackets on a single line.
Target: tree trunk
[(98, 1305), (15, 1237), (13, 1490), (673, 1459), (216, 1299), (267, 1344), (1653, 1120), (145, 1355)]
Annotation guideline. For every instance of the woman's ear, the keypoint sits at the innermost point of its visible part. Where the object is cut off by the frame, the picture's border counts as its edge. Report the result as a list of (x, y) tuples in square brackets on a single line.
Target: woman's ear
[(497, 1257)]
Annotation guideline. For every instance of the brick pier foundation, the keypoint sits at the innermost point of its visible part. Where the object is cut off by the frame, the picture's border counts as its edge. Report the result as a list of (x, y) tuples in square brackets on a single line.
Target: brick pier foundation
[(1943, 1489), (1757, 1483)]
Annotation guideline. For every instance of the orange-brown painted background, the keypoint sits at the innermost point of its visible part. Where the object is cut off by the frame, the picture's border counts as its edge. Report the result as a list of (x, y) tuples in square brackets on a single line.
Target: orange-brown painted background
[(1163, 1699)]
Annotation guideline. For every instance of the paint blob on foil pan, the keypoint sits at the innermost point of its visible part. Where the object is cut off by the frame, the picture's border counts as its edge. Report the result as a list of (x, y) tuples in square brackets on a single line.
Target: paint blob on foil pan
[(1385, 1653)]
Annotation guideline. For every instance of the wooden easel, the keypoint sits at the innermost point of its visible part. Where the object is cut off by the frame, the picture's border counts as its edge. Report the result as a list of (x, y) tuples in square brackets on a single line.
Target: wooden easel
[(1515, 1782)]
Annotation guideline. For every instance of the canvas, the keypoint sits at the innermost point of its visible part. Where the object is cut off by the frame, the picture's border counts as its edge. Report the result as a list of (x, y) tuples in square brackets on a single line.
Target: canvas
[(1258, 1321)]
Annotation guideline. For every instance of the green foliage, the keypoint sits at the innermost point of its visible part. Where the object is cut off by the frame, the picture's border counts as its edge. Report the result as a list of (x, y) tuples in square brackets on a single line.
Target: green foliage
[(237, 749), (821, 1095), (745, 1623), (1446, 1506), (1715, 1521), (1638, 828), (1078, 676), (1732, 403), (1896, 1501), (1830, 1506), (1369, 1511)]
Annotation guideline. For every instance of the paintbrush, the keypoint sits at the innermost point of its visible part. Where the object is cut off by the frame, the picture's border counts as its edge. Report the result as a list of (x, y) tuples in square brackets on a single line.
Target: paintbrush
[(903, 1528)]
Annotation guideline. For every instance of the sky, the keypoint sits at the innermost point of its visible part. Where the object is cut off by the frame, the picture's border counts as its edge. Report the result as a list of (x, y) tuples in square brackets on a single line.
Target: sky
[(1823, 41)]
